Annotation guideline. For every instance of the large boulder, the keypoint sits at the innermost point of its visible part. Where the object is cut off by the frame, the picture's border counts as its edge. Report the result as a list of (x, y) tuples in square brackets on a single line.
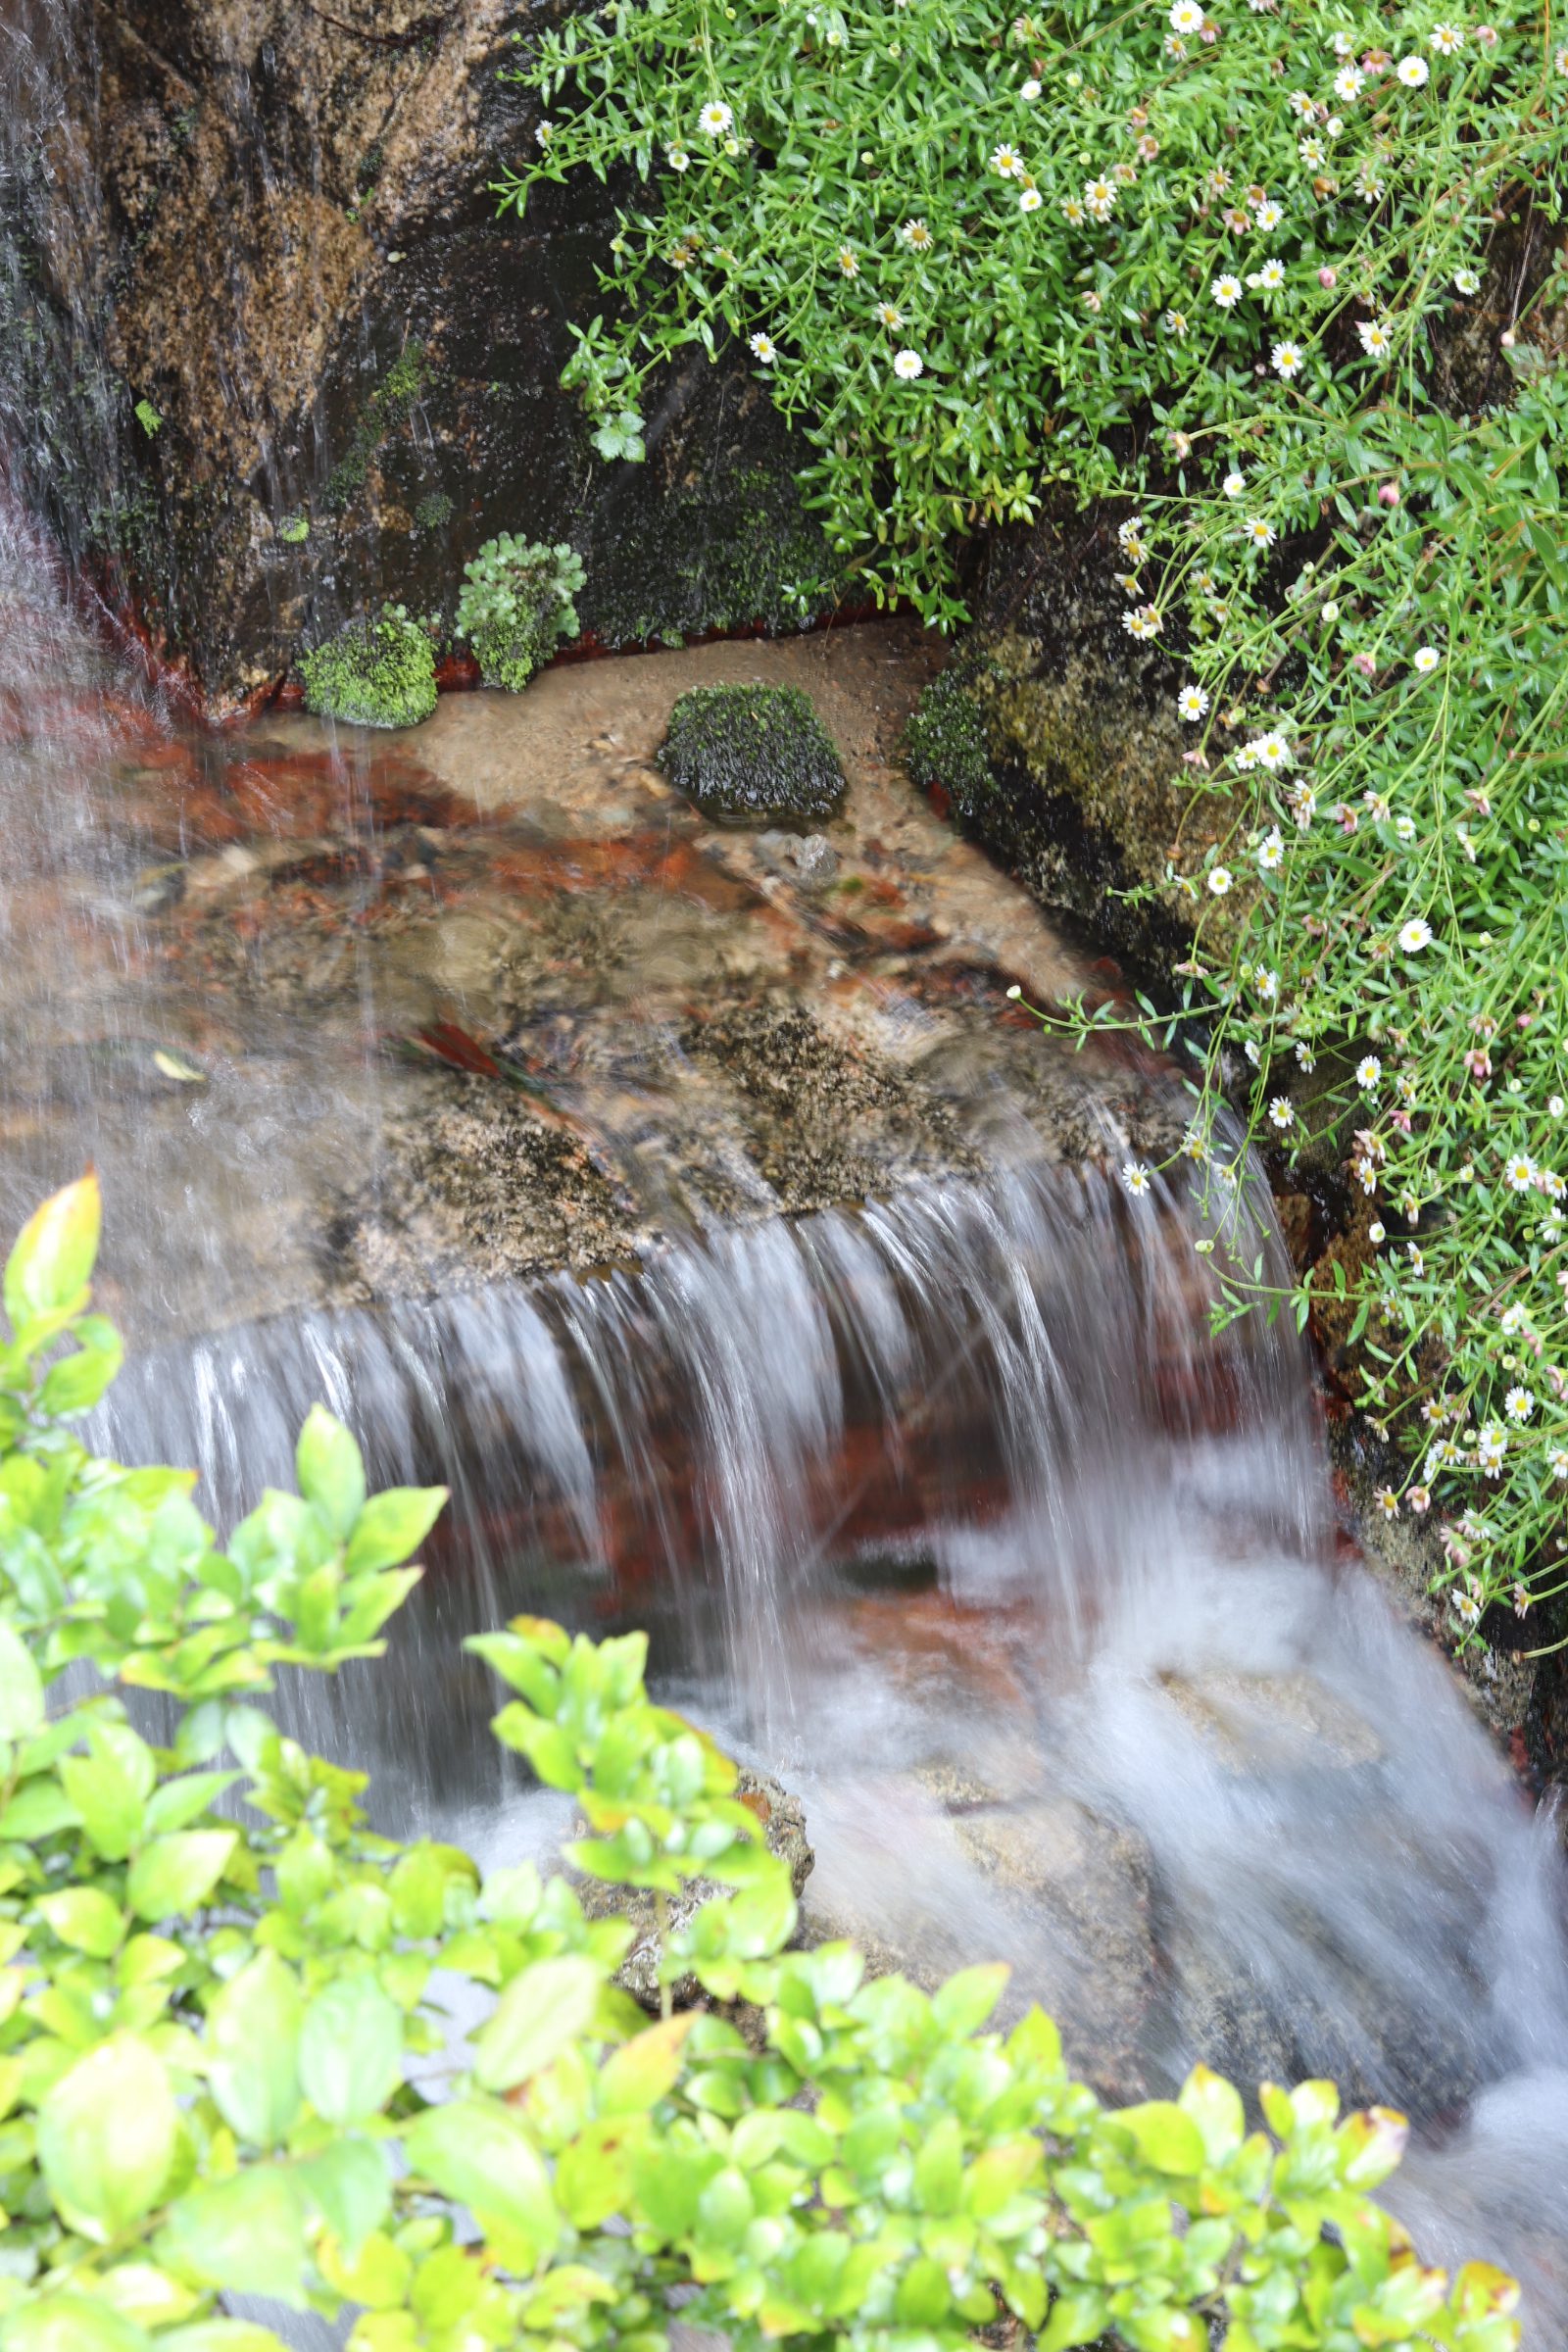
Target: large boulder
[(281, 362)]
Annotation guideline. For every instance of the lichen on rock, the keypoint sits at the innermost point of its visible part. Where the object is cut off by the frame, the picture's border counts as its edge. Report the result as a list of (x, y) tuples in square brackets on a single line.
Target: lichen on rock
[(753, 756), (377, 672)]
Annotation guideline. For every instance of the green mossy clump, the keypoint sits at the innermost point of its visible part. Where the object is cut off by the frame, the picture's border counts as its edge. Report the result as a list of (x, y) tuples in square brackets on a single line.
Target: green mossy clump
[(516, 605), (753, 756), (378, 672), (945, 748)]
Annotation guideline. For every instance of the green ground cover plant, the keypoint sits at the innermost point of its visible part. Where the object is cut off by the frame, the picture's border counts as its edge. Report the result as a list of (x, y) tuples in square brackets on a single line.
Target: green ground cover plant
[(231, 2061), (1228, 267), (516, 606)]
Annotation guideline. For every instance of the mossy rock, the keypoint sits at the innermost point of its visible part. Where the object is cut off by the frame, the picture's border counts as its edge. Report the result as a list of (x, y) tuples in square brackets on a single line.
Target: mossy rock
[(945, 748), (378, 672), (753, 756)]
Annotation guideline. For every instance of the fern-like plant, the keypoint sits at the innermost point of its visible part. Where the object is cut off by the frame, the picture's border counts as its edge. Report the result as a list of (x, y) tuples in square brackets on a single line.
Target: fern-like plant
[(516, 605)]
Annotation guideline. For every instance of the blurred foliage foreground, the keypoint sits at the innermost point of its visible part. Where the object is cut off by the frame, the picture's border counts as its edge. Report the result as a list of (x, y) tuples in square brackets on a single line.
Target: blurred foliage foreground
[(228, 2067)]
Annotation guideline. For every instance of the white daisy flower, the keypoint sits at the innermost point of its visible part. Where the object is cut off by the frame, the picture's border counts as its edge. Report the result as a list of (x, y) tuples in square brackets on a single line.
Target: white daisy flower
[(849, 262), (1519, 1405), (1287, 359), (1191, 704), (1302, 106), (1006, 161), (906, 365), (1258, 533), (1427, 659), (1280, 1112), (1348, 82), (1100, 195), (1186, 17), (889, 314), (1491, 1448), (1269, 215), (1447, 39), (917, 235), (1227, 291), (1271, 852), (716, 118), (1271, 276), (1368, 1073), (1029, 91), (764, 349), (1467, 281), (677, 158), (1136, 1177), (1219, 880), (1416, 935), (1376, 340), (1232, 485), (1414, 71), (1519, 1172), (1030, 201)]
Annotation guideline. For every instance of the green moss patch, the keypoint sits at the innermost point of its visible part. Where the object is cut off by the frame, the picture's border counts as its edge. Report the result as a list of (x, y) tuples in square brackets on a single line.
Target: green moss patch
[(945, 748), (378, 672), (753, 756)]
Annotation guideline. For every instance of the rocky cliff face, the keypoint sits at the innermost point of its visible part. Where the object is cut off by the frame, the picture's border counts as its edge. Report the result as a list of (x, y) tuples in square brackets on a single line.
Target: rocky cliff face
[(265, 224)]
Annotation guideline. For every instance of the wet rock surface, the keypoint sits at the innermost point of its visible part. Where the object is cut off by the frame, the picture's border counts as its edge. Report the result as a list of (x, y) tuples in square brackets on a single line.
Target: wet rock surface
[(282, 216), (399, 1013)]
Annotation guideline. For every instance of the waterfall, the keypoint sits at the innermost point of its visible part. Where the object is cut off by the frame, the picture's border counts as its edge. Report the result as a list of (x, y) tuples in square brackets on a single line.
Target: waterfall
[(952, 1511)]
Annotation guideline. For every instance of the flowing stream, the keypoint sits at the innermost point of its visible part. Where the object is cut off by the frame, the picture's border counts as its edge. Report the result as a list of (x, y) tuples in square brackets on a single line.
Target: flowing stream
[(700, 1221)]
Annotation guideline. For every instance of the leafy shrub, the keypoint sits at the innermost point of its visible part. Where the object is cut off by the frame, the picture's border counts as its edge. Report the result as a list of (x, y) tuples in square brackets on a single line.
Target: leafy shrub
[(377, 672), (515, 607), (216, 2030), (753, 756), (1221, 263)]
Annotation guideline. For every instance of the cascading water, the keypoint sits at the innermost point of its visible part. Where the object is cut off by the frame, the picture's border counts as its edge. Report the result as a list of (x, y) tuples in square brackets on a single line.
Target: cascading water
[(950, 1511), (944, 1503)]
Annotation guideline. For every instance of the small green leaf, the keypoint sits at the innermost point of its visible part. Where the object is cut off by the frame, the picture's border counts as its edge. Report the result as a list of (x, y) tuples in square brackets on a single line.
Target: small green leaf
[(1165, 2135), (173, 1875), (253, 2033), (246, 2232), (47, 1271), (106, 2137), (351, 2050), (479, 2155), (21, 1700), (349, 2182), (392, 1526), (331, 1471), (537, 2015), (85, 1918)]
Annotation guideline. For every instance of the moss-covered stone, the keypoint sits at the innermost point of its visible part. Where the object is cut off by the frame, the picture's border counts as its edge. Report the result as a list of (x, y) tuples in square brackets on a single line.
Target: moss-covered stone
[(378, 672), (945, 749), (753, 756)]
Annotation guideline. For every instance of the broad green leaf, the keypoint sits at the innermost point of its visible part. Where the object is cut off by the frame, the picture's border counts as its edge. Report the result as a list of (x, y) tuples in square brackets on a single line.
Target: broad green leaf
[(349, 2183), (253, 2033), (351, 2050), (479, 2155), (330, 1470), (46, 1273), (1166, 2136), (1215, 2107), (86, 1918), (392, 1526), (223, 2335), (246, 2232), (638, 2075), (537, 2015), (173, 1875), (21, 1700), (71, 2322), (106, 2137)]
